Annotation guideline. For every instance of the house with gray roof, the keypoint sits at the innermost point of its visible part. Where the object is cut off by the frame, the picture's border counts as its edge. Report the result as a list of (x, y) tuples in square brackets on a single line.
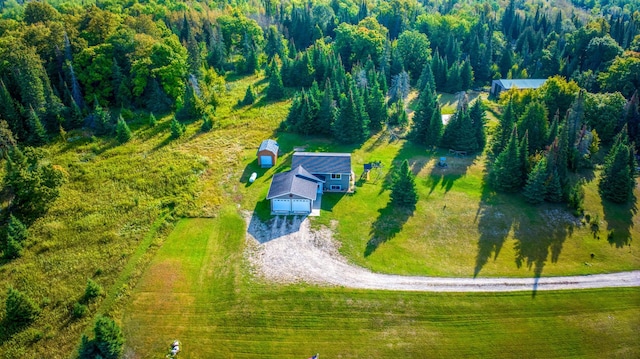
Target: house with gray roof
[(294, 192), (498, 86), (268, 153), (333, 168), (300, 190)]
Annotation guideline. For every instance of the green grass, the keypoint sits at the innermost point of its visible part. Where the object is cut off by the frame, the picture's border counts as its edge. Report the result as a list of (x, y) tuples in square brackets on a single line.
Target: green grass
[(108, 225), (197, 290)]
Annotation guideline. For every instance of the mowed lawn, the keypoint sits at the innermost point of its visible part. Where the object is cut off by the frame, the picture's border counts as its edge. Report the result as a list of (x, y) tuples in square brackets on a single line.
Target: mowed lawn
[(197, 290)]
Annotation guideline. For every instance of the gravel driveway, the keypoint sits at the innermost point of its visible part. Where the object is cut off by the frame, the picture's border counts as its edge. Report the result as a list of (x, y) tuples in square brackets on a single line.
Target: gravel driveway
[(286, 250)]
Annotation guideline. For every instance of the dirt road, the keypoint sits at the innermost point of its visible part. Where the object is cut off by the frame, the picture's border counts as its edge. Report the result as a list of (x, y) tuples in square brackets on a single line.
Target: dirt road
[(288, 251)]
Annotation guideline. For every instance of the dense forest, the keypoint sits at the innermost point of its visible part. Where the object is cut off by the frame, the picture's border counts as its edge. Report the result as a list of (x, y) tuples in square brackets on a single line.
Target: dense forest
[(90, 68)]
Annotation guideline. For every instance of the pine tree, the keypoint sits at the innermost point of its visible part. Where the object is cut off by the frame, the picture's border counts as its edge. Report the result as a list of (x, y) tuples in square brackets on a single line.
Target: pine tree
[(376, 106), (426, 78), (123, 133), (207, 124), (349, 126), (553, 188), (15, 237), (20, 310), (193, 107), (534, 121), (152, 120), (506, 172), (10, 113), (107, 344), (466, 75), (403, 190), (37, 133), (478, 120), (617, 179), (275, 90), (552, 134), (424, 113), (434, 134), (177, 128), (534, 191), (327, 112), (249, 96), (157, 99), (503, 130), (459, 133), (523, 152)]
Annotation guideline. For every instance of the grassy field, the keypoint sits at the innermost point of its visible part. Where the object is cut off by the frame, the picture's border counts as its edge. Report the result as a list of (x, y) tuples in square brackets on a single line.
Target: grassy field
[(121, 201), (197, 290)]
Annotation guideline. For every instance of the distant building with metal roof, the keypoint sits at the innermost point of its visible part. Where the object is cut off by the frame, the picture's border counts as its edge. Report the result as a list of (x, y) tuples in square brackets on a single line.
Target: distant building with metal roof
[(498, 86)]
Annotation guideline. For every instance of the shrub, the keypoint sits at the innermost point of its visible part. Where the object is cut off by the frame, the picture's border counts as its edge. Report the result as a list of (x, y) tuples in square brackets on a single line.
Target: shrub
[(92, 290), (20, 309), (79, 310), (108, 341)]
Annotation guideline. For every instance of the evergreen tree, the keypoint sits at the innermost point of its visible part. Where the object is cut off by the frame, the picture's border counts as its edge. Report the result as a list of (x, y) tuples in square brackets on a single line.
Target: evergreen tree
[(37, 133), (426, 78), (403, 189), (101, 120), (275, 90), (107, 344), (617, 179), (466, 75), (506, 172), (434, 134), (477, 115), (534, 191), (503, 130), (562, 161), (123, 133), (157, 99), (192, 108), (376, 106), (421, 124), (552, 134), (249, 96), (534, 121), (523, 152), (350, 126), (152, 120), (177, 128), (328, 112), (10, 113), (553, 188), (207, 124), (20, 310), (15, 237), (459, 133), (33, 183), (632, 118)]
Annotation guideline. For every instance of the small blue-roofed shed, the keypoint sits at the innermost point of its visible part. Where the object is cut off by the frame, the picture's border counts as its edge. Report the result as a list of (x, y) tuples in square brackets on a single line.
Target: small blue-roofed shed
[(268, 153)]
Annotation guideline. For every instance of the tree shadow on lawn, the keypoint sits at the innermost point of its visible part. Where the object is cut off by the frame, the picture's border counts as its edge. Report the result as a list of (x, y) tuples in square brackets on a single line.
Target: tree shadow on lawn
[(619, 219), (541, 237), (539, 232), (388, 224), (446, 176)]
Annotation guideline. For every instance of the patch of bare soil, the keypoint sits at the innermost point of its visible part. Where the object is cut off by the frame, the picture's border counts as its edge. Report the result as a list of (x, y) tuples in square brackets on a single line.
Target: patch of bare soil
[(287, 250)]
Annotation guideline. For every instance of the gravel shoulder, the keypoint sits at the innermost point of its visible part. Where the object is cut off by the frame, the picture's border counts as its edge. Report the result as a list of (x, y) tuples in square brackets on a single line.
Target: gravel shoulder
[(287, 250)]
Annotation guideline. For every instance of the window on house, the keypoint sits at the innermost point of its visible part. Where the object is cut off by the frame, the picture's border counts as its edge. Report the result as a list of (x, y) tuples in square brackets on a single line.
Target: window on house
[(336, 176), (336, 187)]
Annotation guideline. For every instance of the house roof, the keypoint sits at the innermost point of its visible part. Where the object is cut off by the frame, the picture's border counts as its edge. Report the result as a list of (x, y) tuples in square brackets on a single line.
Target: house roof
[(322, 162), (269, 145), (298, 182), (521, 83)]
